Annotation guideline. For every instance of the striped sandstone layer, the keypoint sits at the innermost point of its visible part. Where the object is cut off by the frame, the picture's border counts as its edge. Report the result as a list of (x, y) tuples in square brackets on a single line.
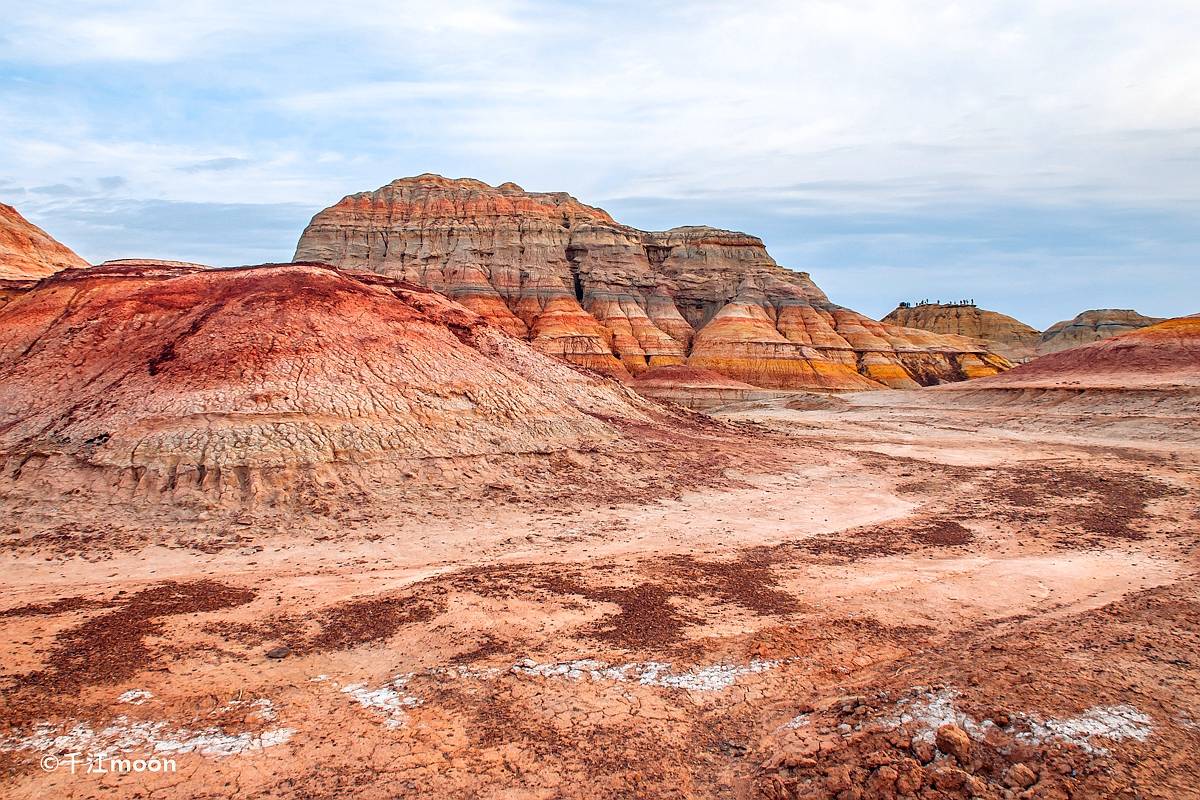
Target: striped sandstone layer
[(28, 252), (1159, 357), (697, 388), (1091, 326), (580, 286), (1003, 334)]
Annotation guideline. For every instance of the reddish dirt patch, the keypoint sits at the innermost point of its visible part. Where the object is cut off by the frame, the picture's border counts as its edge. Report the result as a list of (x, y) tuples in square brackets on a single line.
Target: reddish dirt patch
[(646, 619), (111, 647), (941, 533), (339, 627), (647, 616), (748, 580), (51, 609), (1091, 504), (358, 622)]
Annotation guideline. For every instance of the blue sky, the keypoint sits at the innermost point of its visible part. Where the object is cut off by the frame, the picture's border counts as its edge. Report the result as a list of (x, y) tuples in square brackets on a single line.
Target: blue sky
[(1041, 157)]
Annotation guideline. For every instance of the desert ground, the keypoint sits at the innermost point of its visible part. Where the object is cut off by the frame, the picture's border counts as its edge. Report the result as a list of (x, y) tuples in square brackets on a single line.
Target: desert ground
[(799, 616)]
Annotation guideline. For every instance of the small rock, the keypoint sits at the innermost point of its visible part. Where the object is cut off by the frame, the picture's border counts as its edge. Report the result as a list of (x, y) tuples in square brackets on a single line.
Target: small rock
[(923, 751), (1020, 776), (838, 778), (954, 741), (734, 749), (279, 652), (910, 779), (883, 780)]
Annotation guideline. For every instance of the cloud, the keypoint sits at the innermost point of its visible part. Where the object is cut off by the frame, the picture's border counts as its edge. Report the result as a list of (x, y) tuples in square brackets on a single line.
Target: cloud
[(215, 165), (218, 234), (166, 32), (59, 190), (910, 138)]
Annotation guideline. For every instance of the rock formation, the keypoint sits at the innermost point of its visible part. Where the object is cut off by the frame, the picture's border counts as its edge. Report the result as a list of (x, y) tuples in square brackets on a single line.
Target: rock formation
[(696, 387), (1091, 326), (168, 379), (1004, 335), (580, 286), (1161, 356), (28, 252)]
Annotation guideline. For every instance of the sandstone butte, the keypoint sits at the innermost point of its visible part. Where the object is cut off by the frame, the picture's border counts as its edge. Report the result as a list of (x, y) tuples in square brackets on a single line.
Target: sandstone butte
[(1004, 335), (1165, 356), (27, 252), (1091, 326), (578, 285), (164, 379)]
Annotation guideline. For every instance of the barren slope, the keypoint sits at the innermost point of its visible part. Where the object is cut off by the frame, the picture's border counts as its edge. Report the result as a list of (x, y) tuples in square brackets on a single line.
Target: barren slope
[(245, 385), (1091, 326), (27, 251), (802, 632), (1165, 355)]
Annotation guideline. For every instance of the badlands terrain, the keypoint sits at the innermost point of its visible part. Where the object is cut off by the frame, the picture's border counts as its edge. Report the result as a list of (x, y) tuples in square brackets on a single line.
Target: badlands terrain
[(1012, 338), (428, 513)]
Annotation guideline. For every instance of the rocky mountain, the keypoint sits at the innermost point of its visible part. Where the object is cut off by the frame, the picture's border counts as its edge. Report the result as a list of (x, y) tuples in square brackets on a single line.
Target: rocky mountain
[(1091, 326), (1004, 335), (581, 286), (171, 380), (27, 251)]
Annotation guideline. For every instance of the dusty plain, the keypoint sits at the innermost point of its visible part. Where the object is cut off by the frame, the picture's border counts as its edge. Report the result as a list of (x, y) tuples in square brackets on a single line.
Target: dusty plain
[(799, 619)]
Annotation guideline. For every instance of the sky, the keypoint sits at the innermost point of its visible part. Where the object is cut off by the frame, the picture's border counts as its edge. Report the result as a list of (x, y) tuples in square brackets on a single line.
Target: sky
[(1040, 157)]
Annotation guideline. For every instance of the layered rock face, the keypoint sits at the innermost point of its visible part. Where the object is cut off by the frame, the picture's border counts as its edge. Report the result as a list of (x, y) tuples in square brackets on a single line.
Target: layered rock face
[(1091, 326), (697, 388), (1161, 356), (27, 251), (1004, 335), (581, 286), (237, 383)]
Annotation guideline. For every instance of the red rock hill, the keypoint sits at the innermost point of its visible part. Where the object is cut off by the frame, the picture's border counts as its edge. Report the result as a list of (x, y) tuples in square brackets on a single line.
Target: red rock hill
[(1166, 355), (169, 379), (27, 251)]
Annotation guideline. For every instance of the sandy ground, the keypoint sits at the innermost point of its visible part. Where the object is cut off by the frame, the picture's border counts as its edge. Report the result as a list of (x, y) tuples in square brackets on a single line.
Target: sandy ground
[(1028, 574)]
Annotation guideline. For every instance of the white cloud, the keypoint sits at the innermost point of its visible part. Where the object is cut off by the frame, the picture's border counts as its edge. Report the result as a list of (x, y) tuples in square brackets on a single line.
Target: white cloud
[(794, 107), (909, 100), (163, 31)]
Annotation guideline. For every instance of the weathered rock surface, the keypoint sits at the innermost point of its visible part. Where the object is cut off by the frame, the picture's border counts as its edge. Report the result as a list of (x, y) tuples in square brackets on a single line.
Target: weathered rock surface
[(27, 251), (1003, 334), (239, 383), (1091, 326), (1162, 356), (697, 388), (581, 286)]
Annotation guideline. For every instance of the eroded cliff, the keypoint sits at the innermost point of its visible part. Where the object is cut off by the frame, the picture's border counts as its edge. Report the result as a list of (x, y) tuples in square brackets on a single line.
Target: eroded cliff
[(1003, 334), (583, 287)]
